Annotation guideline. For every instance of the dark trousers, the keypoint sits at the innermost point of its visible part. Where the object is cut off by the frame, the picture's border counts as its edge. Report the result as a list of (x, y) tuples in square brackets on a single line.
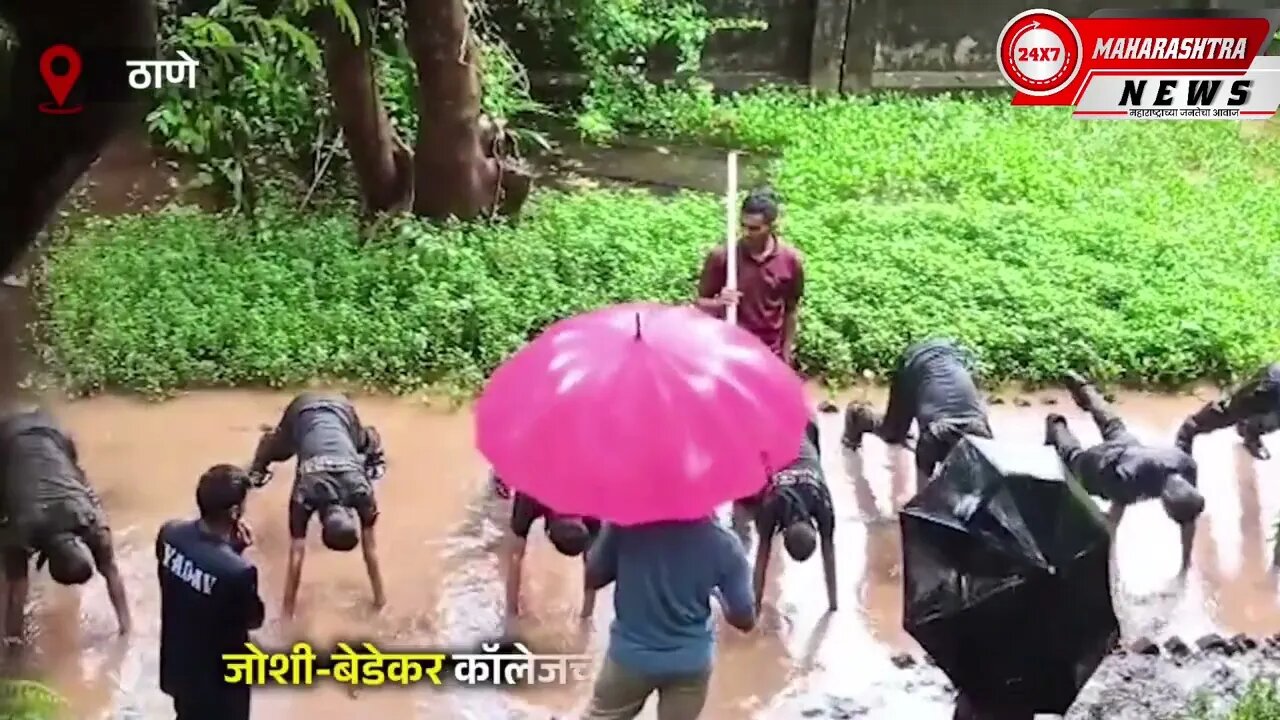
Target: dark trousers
[(1111, 427), (1255, 406), (966, 710)]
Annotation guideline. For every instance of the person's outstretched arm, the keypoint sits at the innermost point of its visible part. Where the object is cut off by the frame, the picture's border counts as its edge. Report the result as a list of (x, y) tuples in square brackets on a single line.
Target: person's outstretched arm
[(711, 284), (827, 534), (275, 445), (791, 321), (760, 572), (588, 592), (293, 575), (369, 548), (1188, 532), (602, 559), (524, 511), (1115, 515), (104, 557), (734, 586), (16, 587), (767, 525), (299, 519)]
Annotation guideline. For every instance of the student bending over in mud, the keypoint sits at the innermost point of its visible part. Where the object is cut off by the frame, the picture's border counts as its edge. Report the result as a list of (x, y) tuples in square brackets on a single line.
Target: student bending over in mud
[(932, 386), (51, 513), (1123, 470), (1254, 408), (796, 504), (338, 459), (570, 534)]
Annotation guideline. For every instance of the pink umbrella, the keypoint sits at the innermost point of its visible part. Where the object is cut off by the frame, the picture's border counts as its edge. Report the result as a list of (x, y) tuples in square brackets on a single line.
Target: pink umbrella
[(639, 413)]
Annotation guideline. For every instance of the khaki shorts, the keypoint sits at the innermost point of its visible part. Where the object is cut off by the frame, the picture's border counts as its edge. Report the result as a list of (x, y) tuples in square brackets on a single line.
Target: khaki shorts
[(620, 694)]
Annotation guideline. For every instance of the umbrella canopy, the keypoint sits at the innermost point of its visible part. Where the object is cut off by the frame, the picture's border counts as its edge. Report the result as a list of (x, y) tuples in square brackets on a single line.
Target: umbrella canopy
[(1006, 565), (640, 413)]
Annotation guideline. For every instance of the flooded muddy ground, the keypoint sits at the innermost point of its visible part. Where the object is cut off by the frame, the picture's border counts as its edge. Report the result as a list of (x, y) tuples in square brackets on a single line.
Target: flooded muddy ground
[(440, 531)]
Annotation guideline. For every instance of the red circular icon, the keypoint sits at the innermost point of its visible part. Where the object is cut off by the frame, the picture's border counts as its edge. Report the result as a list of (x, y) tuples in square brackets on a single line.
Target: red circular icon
[(1040, 52)]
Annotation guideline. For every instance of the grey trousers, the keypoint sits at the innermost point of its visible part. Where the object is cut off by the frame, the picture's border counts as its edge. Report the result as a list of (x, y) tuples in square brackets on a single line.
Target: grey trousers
[(621, 694)]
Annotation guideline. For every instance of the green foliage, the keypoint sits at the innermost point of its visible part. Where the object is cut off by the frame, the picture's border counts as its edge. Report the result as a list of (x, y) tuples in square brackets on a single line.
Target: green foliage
[(181, 299), (617, 40), (259, 95), (290, 298), (28, 700), (261, 103), (1261, 701), (1138, 252)]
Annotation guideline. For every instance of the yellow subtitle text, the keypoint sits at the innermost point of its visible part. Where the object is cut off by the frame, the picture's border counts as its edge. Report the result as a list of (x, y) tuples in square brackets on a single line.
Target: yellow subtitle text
[(372, 667)]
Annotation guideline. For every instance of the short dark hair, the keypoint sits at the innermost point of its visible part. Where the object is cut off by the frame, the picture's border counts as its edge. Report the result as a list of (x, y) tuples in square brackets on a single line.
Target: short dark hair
[(221, 488), (569, 535), (338, 528), (762, 203), (70, 562)]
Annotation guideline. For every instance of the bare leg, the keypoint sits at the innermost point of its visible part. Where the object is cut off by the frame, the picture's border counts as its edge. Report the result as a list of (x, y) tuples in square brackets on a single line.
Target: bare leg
[(1114, 516), (293, 576), (741, 521)]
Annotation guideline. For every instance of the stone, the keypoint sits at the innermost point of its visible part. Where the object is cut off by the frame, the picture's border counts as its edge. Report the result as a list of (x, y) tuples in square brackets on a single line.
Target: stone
[(1021, 402), (1049, 400), (1175, 647), (1212, 643), (828, 407), (995, 401), (1144, 646), (1243, 642), (903, 661)]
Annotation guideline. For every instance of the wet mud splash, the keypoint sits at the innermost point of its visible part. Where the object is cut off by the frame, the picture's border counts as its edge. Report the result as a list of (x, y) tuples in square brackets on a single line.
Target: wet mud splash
[(440, 532)]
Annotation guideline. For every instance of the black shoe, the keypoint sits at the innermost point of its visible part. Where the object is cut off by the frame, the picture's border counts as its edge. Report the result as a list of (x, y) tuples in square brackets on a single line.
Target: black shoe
[(1078, 386), (858, 421), (1050, 421), (1253, 445), (500, 489), (1185, 437)]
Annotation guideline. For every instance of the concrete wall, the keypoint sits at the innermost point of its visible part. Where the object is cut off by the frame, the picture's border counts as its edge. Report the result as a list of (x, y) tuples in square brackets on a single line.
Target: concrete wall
[(849, 45)]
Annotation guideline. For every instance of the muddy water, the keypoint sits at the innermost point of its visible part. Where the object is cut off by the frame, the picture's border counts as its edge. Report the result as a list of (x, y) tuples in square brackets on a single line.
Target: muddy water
[(440, 531)]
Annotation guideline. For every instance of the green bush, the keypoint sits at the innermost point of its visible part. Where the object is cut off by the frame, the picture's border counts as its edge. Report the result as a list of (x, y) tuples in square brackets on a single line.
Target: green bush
[(1139, 252), (180, 299), (1261, 701)]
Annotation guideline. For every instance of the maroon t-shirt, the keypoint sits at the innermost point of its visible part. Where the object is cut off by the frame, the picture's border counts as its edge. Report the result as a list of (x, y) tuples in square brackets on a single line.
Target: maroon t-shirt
[(771, 287)]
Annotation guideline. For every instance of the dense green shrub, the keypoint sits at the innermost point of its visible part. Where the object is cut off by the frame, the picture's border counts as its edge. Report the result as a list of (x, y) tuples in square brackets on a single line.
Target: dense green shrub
[(1142, 252), (1261, 701), (181, 299)]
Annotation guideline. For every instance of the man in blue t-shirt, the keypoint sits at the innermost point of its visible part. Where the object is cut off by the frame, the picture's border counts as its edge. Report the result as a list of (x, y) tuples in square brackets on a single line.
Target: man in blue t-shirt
[(661, 639)]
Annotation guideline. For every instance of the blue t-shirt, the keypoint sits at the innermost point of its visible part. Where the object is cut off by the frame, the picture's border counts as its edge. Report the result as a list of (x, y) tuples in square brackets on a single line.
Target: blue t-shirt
[(666, 574)]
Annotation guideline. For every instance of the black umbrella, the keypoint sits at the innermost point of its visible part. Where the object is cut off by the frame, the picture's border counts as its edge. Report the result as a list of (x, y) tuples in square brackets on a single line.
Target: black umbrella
[(1006, 565)]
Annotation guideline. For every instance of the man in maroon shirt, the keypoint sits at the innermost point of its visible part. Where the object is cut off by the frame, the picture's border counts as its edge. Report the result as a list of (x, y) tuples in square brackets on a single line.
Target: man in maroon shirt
[(770, 279)]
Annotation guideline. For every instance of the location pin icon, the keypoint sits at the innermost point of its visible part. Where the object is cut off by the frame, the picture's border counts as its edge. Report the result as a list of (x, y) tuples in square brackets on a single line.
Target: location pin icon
[(60, 85)]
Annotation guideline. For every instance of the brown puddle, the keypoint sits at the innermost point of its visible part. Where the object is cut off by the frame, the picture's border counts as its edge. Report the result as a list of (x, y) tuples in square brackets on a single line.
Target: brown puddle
[(439, 532)]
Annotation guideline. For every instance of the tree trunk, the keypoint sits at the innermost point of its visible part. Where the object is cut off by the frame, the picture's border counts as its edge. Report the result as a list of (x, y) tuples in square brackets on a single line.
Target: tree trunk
[(42, 156), (457, 170), (383, 164)]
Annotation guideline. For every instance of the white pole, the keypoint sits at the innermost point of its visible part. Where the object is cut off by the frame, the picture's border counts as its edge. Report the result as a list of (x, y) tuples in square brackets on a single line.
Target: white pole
[(731, 233)]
